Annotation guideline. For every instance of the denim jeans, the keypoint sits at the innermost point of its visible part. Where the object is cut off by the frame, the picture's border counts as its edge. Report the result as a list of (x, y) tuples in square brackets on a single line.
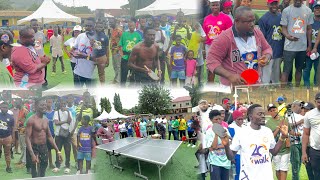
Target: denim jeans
[(295, 158), (307, 70), (175, 134)]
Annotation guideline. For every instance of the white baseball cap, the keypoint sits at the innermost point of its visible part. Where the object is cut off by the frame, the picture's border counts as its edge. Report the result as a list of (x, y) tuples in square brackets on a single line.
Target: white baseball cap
[(77, 28), (214, 0), (217, 107)]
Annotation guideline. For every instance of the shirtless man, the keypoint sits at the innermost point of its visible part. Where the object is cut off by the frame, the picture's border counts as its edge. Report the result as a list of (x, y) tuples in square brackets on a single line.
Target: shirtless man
[(145, 54), (37, 134)]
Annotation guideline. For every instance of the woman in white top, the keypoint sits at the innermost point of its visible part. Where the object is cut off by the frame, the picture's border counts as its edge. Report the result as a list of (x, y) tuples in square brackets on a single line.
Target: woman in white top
[(70, 42), (123, 130)]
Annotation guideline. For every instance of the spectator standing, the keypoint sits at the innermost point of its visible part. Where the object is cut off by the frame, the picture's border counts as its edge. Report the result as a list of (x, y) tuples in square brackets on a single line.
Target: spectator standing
[(56, 51), (213, 25), (311, 132), (296, 23), (269, 25)]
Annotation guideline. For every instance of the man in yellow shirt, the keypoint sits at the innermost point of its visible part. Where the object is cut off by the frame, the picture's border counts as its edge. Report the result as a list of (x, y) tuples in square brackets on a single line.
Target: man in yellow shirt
[(182, 126), (282, 106)]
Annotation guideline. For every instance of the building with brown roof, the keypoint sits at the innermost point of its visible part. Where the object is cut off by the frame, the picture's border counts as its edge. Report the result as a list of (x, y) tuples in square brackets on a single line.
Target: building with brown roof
[(181, 105)]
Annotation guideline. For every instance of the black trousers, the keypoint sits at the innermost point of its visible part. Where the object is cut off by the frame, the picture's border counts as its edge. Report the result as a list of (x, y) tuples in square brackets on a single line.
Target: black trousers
[(124, 72), (182, 133), (170, 132), (66, 143), (315, 162), (123, 135), (42, 152)]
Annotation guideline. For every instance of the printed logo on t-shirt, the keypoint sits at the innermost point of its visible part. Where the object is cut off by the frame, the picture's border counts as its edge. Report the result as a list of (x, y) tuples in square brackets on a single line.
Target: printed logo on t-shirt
[(177, 55), (4, 125), (260, 154), (214, 31), (85, 49), (277, 33), (314, 35), (38, 44), (220, 152), (131, 44), (298, 26), (250, 59)]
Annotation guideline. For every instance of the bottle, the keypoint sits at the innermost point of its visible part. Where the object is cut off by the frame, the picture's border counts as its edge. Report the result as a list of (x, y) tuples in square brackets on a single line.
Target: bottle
[(24, 81)]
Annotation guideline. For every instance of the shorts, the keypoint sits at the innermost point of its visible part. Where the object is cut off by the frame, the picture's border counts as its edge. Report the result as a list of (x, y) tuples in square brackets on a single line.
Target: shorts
[(281, 162), (289, 56), (178, 75), (84, 155)]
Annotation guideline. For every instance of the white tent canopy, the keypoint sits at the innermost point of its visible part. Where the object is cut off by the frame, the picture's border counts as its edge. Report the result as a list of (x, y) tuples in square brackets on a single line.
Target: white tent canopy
[(61, 90), (112, 115), (48, 12), (170, 7), (102, 116)]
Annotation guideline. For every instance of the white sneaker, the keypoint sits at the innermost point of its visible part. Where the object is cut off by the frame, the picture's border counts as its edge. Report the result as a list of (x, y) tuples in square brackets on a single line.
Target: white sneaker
[(189, 145), (193, 146), (89, 172), (78, 172)]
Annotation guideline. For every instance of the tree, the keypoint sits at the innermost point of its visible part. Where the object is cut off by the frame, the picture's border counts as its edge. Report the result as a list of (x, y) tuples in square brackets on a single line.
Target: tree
[(195, 94), (34, 7), (154, 99), (105, 105), (138, 4), (5, 5), (117, 103)]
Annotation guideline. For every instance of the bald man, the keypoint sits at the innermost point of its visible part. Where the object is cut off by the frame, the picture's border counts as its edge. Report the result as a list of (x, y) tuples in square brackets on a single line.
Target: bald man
[(228, 55)]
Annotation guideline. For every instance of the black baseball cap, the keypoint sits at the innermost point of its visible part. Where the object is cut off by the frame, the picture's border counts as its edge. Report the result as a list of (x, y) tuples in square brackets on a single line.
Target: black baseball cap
[(6, 38), (308, 105)]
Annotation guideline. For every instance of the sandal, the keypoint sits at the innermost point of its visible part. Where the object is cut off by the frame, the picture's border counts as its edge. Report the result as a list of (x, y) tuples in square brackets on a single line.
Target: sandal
[(55, 170), (67, 171)]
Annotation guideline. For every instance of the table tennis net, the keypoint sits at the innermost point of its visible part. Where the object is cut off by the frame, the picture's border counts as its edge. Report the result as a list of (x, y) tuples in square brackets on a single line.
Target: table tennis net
[(129, 146)]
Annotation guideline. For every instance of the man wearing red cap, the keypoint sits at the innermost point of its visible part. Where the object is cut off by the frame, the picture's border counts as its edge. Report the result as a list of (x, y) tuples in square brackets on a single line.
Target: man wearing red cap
[(238, 48), (213, 25), (226, 8), (270, 26)]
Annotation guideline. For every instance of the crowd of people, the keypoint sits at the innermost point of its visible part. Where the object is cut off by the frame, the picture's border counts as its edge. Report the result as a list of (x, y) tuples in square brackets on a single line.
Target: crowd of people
[(253, 138), (150, 126), (138, 48), (42, 125)]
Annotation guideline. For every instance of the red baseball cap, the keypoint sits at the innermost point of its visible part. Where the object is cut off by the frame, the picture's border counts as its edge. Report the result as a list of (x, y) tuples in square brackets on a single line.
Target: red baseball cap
[(271, 1), (227, 4)]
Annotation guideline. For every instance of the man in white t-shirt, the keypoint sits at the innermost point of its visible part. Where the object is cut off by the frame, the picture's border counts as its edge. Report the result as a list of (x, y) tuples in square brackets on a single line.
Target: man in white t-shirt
[(83, 52), (311, 136), (203, 111), (62, 119), (255, 143), (296, 122)]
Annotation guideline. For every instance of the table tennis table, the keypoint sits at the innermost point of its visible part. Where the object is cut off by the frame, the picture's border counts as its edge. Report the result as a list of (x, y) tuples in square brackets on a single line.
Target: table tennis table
[(64, 177), (155, 151)]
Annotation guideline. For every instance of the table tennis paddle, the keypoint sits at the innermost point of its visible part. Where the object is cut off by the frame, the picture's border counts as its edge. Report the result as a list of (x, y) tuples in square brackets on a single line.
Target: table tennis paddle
[(152, 74), (251, 76), (219, 130)]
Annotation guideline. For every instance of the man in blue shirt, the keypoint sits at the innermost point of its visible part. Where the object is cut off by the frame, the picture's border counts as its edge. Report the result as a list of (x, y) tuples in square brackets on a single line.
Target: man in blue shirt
[(101, 50), (6, 126), (270, 26)]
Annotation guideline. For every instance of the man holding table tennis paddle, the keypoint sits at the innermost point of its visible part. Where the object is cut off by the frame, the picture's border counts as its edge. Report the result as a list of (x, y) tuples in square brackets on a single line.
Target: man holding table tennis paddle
[(144, 59), (238, 53)]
